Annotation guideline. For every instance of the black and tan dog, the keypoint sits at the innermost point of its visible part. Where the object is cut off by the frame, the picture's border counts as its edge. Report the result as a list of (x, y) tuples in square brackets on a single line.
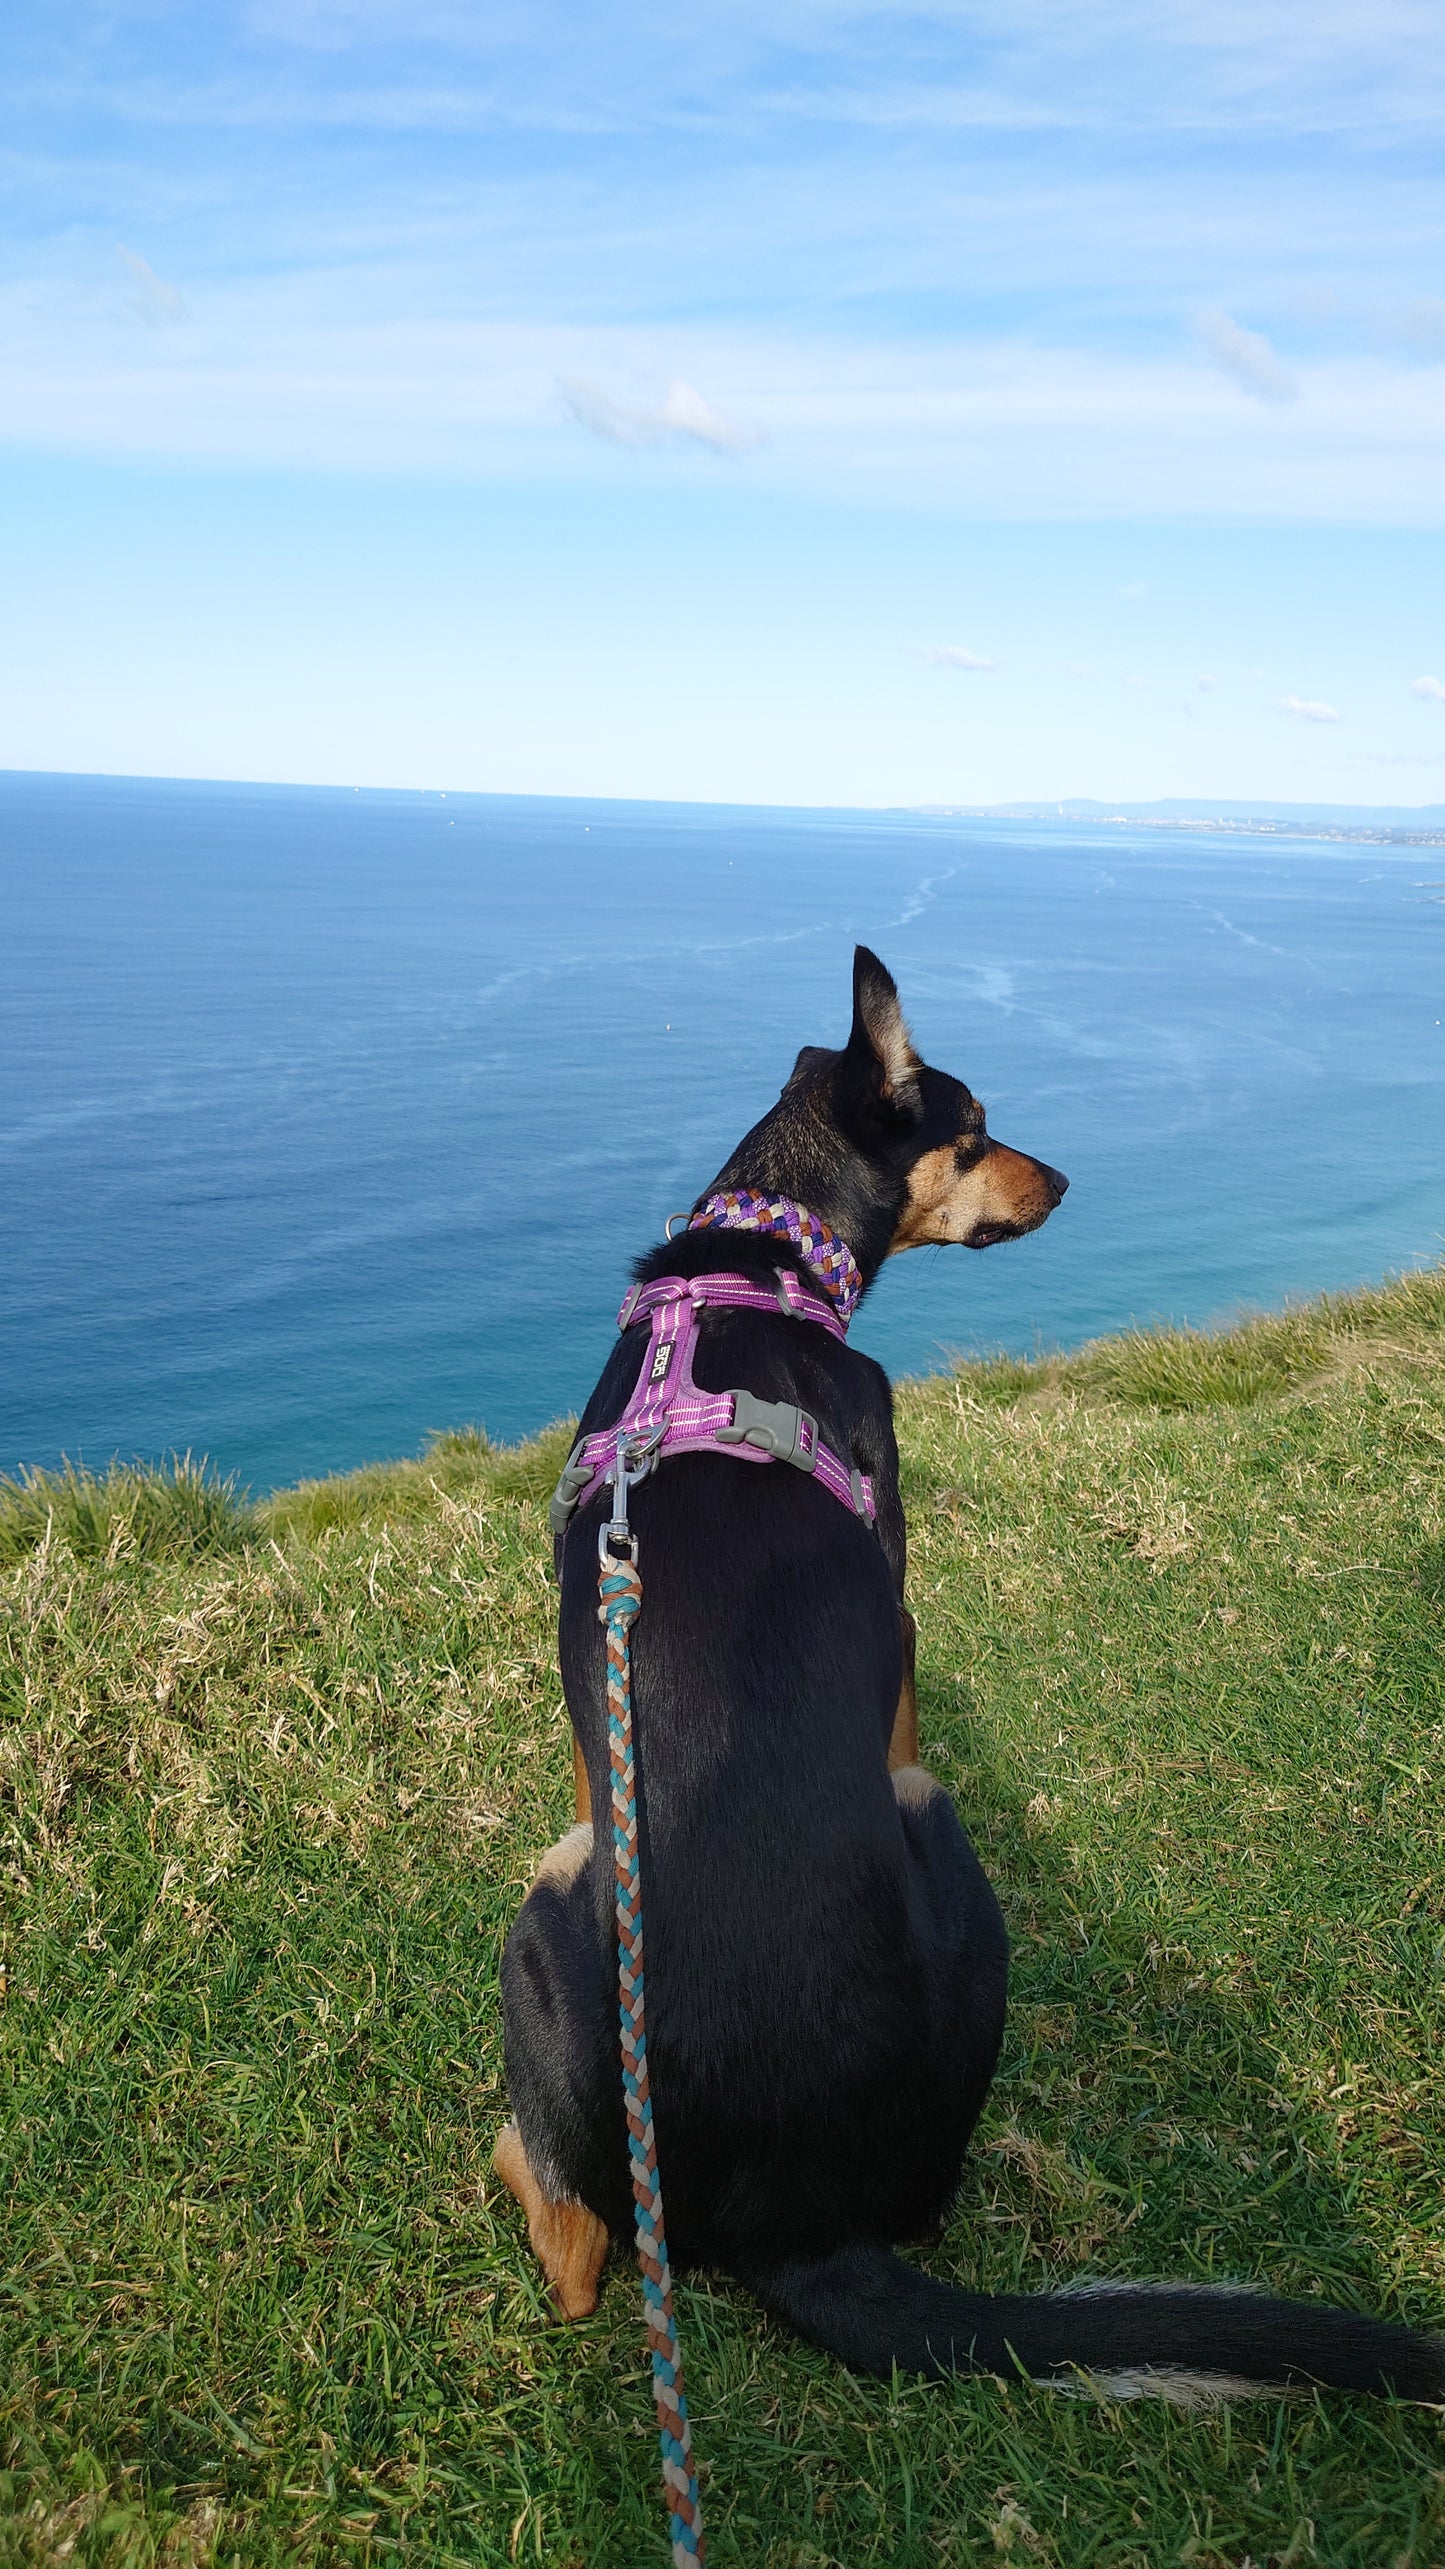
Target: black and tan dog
[(826, 1963)]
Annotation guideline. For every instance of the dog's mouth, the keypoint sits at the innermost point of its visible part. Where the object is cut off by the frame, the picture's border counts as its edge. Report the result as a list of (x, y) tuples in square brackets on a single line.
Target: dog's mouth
[(986, 1235)]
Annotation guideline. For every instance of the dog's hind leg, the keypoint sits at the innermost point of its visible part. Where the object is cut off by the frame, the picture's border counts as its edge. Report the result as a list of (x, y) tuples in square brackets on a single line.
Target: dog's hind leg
[(569, 2242), (565, 2148), (966, 1947), (903, 1746)]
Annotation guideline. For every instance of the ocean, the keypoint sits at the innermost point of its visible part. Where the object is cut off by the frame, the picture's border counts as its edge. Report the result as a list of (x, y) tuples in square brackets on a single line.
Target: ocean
[(329, 1119)]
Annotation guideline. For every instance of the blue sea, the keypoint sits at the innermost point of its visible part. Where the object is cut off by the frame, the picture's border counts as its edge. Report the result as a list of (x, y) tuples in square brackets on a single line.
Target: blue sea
[(328, 1119)]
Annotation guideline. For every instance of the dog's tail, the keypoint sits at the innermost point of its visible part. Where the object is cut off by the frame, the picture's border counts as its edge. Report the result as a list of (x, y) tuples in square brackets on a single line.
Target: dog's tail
[(864, 2305)]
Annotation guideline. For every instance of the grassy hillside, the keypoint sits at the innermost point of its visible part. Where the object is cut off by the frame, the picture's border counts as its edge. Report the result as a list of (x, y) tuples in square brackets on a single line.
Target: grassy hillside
[(276, 1781)]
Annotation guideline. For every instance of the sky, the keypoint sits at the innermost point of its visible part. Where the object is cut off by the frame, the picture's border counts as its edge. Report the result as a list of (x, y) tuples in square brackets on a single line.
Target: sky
[(979, 401)]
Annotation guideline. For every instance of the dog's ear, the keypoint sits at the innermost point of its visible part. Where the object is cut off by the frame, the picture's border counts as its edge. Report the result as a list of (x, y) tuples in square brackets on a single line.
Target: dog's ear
[(880, 1067), (808, 1059)]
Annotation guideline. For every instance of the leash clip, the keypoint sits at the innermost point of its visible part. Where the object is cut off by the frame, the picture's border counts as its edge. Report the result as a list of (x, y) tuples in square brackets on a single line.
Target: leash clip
[(632, 1462)]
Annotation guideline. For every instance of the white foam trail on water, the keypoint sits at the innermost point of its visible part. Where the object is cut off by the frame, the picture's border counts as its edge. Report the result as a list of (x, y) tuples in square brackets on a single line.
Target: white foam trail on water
[(921, 897)]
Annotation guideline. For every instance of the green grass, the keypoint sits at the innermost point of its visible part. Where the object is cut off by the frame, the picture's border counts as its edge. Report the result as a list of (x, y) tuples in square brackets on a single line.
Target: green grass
[(276, 1778)]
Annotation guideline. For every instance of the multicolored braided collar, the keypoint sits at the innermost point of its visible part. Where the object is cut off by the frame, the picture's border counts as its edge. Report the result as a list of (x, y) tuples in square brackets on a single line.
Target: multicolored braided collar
[(830, 1259)]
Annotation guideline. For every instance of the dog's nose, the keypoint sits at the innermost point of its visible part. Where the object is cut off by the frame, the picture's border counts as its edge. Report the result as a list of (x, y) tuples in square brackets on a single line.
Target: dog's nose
[(1058, 1182)]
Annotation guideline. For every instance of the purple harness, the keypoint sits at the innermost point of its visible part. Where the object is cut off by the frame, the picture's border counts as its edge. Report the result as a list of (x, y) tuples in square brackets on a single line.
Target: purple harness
[(668, 1414)]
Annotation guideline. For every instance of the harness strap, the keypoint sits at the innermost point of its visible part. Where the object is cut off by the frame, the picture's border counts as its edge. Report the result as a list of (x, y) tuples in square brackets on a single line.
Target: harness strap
[(787, 1294), (668, 1414)]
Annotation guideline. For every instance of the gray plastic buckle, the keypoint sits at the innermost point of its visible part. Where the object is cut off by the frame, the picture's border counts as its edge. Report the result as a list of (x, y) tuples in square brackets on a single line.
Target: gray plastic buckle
[(776, 1427), (575, 1477)]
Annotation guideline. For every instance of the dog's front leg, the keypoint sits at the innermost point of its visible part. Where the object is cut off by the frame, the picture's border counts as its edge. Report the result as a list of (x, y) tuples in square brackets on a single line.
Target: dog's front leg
[(903, 1746)]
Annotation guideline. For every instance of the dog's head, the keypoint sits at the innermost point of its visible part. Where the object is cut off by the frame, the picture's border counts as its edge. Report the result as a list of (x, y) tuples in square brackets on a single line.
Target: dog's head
[(894, 1154)]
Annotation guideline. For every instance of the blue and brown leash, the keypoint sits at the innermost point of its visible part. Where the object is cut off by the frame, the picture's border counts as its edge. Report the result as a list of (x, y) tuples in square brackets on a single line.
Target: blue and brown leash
[(620, 1593)]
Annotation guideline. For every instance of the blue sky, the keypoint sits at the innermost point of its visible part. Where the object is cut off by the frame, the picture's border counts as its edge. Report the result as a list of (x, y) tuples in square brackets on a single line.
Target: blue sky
[(796, 403)]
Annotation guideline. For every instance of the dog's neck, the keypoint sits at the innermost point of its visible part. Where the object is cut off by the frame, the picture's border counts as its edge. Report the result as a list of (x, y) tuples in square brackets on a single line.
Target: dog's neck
[(800, 1160)]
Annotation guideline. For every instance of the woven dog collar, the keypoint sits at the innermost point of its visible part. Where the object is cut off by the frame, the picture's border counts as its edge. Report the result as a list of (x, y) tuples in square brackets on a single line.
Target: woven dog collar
[(829, 1258)]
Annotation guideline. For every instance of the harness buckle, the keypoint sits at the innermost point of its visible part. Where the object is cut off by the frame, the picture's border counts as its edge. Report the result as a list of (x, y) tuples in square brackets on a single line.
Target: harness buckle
[(790, 1294), (777, 1427)]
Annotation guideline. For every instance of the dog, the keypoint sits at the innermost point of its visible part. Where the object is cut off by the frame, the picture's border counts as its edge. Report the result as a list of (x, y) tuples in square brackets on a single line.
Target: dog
[(827, 1964)]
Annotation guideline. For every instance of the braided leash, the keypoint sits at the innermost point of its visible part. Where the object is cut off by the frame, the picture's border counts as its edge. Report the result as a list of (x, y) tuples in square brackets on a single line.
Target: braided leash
[(620, 1591)]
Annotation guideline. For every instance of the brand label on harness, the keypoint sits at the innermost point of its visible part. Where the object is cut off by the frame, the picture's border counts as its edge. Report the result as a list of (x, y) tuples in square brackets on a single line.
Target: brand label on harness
[(661, 1361)]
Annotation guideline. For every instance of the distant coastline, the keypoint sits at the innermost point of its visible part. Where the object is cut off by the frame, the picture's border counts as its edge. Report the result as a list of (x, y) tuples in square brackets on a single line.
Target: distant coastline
[(1348, 825)]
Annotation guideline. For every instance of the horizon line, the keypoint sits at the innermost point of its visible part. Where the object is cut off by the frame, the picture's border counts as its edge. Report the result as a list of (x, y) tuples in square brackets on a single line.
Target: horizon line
[(1038, 807)]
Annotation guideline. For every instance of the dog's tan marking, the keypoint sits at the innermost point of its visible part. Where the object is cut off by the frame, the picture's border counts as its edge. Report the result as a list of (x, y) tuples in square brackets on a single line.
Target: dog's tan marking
[(570, 2242), (581, 1789), (563, 1862), (903, 1745), (946, 1202), (914, 1787)]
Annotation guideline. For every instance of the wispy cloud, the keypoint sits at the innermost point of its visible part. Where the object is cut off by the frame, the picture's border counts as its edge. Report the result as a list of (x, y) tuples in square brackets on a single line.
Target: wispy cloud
[(951, 655), (681, 416), (1206, 686), (1308, 709), (322, 367), (1193, 66), (1247, 357), (1431, 688), (151, 300)]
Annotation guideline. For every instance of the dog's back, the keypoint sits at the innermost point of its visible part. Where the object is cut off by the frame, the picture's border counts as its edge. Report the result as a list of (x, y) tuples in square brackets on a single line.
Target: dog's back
[(787, 1965)]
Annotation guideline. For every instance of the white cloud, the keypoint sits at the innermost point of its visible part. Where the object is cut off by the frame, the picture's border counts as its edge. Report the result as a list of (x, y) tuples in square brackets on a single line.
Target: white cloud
[(1308, 709), (158, 305), (1206, 686), (1247, 357), (323, 367), (951, 655), (1431, 688), (682, 414)]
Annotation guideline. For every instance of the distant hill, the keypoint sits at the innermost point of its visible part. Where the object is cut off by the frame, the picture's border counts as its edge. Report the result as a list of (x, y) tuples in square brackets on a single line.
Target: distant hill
[(1351, 816)]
